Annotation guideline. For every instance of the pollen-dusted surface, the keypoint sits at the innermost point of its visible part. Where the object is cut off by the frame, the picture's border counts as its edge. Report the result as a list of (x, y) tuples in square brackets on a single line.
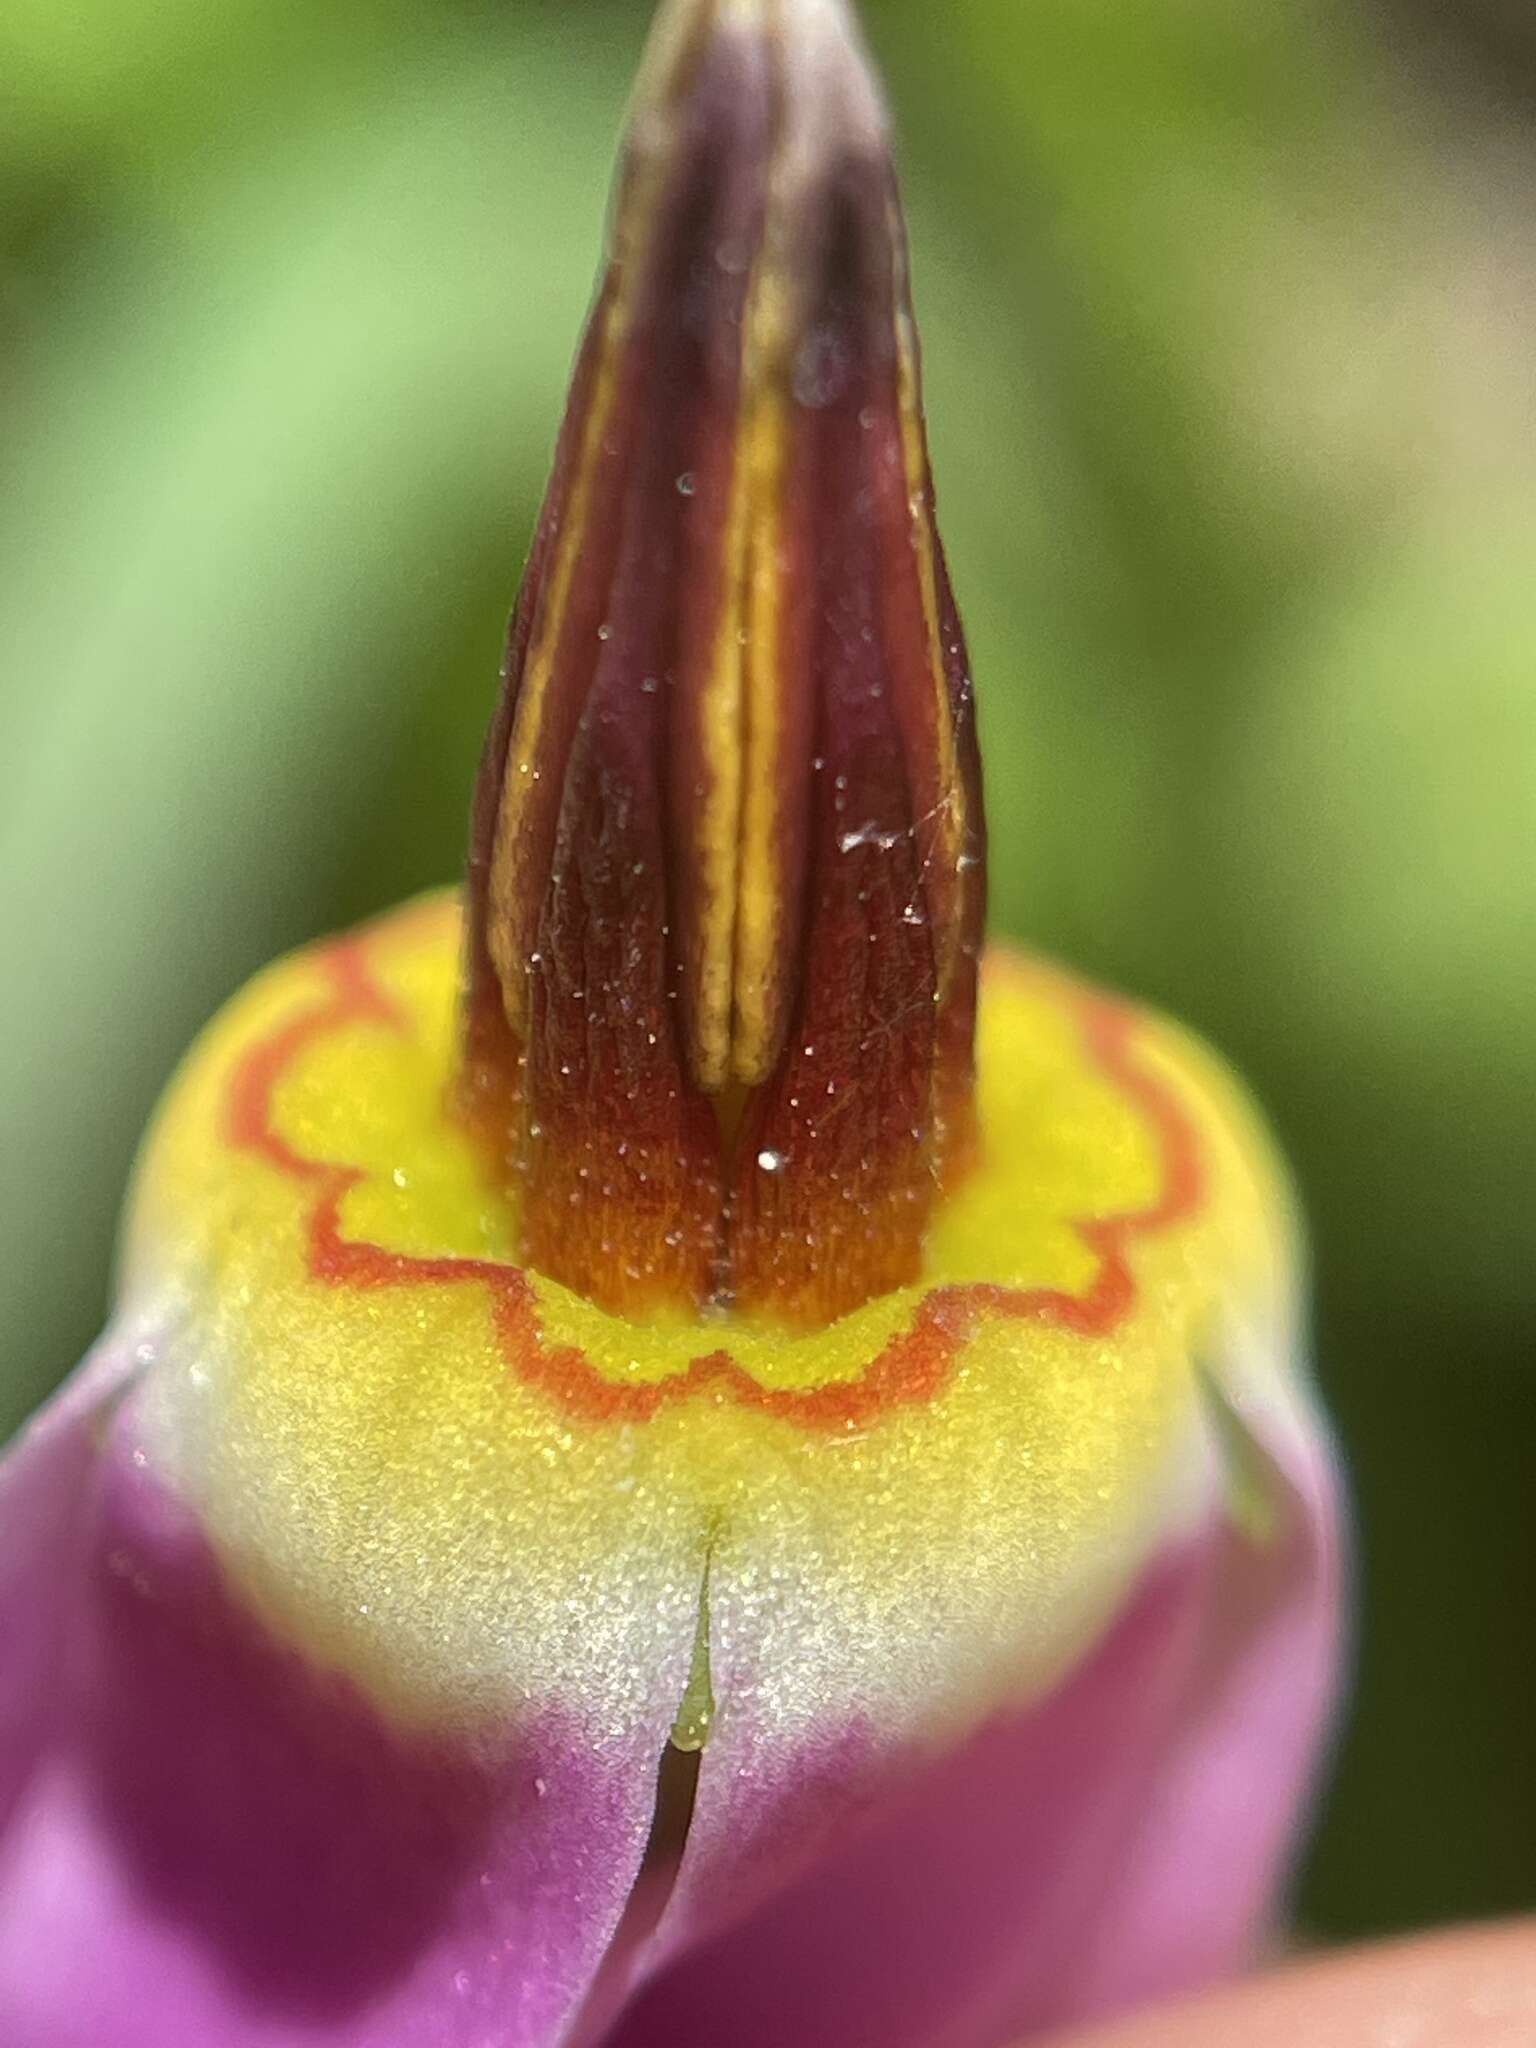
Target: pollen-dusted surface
[(364, 1392)]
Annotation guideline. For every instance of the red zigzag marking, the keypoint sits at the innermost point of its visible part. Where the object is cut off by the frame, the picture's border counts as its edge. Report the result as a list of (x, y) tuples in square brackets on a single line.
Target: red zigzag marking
[(911, 1369)]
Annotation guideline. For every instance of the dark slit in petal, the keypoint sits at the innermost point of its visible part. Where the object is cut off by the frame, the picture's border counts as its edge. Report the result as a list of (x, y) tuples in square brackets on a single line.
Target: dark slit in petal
[(677, 1788)]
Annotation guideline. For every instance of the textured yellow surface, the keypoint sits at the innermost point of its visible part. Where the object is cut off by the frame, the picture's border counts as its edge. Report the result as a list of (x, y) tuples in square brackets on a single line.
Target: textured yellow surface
[(473, 1490)]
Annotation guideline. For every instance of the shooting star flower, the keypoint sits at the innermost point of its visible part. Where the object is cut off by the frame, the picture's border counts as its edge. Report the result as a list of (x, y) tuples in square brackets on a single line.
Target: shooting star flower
[(684, 1456)]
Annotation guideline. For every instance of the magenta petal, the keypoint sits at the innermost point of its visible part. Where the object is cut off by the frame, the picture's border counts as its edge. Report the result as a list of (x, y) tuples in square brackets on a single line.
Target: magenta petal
[(42, 1477), (1222, 1815), (1126, 1837), (217, 1846)]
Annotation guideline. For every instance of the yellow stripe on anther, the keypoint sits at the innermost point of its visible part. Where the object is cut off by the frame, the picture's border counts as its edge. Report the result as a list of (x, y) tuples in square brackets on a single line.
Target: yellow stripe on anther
[(513, 893), (511, 900), (737, 1025), (759, 965), (718, 847)]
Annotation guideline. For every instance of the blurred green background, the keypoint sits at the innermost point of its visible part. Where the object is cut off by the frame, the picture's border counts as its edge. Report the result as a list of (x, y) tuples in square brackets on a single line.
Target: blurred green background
[(1228, 311)]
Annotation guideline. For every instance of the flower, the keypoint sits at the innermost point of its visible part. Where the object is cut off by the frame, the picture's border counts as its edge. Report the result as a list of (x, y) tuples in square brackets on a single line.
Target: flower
[(681, 1458)]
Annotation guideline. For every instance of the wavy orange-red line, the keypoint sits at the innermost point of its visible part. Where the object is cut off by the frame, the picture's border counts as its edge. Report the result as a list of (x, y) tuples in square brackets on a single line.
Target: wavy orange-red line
[(911, 1369)]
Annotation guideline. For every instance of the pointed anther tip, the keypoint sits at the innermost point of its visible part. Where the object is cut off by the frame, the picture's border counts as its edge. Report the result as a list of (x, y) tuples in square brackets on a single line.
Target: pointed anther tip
[(681, 25), (815, 48)]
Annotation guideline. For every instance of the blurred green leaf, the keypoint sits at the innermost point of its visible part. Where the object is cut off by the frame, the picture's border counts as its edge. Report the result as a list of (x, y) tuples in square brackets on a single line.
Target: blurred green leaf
[(259, 501)]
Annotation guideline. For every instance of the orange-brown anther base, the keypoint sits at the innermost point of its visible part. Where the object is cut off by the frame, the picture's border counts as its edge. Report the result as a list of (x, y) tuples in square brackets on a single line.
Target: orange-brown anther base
[(726, 876)]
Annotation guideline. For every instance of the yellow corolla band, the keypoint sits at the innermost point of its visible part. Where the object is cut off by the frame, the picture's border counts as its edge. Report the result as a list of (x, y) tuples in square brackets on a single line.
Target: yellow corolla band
[(466, 1485)]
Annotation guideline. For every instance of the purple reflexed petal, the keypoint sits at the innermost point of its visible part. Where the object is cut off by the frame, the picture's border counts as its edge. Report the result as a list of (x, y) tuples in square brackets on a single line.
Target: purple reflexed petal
[(1124, 1838), (1221, 1816), (218, 1847), (42, 1476), (210, 1844)]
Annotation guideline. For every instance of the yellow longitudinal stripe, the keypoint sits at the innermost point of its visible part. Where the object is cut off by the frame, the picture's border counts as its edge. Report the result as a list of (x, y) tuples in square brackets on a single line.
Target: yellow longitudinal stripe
[(742, 724), (760, 882), (717, 842), (510, 894)]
